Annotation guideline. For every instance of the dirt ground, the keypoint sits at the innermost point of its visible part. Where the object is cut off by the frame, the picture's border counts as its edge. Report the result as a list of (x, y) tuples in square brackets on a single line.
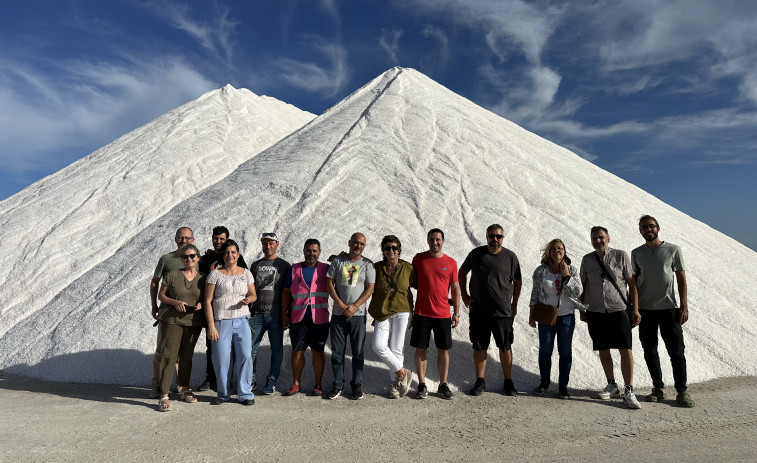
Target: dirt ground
[(45, 421)]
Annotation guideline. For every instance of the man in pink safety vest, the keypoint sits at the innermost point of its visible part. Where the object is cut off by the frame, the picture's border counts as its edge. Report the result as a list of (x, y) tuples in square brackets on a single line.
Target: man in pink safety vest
[(305, 312)]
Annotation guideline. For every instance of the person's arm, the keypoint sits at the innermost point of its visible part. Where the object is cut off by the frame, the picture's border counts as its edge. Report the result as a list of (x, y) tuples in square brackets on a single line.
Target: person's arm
[(455, 287), (210, 290), (286, 304), (462, 277), (251, 296), (684, 309), (633, 299), (154, 296), (335, 296), (517, 285), (352, 308), (181, 306)]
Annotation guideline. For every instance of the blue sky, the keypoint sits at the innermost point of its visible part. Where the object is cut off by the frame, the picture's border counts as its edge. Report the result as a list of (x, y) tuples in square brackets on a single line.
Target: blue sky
[(662, 94)]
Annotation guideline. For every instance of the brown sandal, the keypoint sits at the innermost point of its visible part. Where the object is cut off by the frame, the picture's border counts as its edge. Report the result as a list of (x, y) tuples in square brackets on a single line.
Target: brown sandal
[(188, 397)]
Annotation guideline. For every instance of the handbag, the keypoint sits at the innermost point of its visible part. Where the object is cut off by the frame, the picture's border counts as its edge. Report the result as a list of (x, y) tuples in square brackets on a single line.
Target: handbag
[(545, 313), (608, 275)]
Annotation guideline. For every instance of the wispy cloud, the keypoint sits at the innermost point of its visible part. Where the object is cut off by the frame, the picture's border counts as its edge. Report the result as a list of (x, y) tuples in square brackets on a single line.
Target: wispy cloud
[(84, 105), (216, 35), (389, 41), (439, 61), (327, 79)]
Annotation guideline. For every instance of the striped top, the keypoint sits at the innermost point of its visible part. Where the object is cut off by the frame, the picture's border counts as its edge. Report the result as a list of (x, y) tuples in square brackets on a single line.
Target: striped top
[(230, 290)]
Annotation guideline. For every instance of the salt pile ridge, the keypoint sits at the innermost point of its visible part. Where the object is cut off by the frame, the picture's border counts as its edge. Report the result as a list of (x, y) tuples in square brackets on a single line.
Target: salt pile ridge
[(62, 226), (400, 155)]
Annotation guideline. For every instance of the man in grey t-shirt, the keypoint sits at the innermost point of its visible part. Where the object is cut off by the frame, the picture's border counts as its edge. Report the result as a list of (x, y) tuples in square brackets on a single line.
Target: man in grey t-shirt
[(655, 264), (269, 273), (350, 281)]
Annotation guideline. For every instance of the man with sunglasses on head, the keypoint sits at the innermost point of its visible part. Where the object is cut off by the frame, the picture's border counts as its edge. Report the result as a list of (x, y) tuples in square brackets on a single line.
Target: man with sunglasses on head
[(213, 259), (269, 273), (604, 274), (493, 302), (657, 264), (437, 277), (166, 264)]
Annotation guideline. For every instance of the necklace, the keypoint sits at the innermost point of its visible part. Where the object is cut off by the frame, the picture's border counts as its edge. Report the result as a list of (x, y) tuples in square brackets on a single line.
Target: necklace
[(191, 280)]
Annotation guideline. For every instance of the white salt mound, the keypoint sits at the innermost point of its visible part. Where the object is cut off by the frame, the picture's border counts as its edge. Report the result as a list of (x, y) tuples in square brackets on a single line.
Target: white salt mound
[(399, 156), (62, 226)]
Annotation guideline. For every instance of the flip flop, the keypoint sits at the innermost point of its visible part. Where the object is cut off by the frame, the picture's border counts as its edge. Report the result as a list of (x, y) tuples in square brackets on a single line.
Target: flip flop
[(188, 397), (164, 405)]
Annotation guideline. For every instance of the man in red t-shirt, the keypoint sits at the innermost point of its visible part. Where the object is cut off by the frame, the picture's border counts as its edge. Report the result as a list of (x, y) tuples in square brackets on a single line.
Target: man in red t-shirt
[(437, 276)]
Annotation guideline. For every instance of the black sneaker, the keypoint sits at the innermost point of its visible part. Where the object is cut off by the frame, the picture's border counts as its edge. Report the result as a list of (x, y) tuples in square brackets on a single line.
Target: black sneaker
[(478, 388), (336, 392), (510, 388), (422, 391), (445, 392), (204, 386), (540, 389), (216, 401), (564, 394), (357, 392), (248, 402)]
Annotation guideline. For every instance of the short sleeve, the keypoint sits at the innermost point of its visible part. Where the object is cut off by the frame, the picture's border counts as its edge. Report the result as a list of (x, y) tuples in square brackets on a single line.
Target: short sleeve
[(333, 269), (678, 261), (370, 273), (516, 275), (250, 278), (159, 269), (213, 277), (453, 268), (288, 279)]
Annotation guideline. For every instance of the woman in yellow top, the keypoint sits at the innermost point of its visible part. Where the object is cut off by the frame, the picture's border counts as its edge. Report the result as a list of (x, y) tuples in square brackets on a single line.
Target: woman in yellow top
[(391, 307)]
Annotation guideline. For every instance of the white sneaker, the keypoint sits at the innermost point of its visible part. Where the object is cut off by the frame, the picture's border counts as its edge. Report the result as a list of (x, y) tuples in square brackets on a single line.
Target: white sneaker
[(609, 390), (630, 399), (393, 392)]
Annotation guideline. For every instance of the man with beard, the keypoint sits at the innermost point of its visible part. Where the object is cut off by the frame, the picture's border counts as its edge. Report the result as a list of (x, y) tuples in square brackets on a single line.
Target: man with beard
[(305, 311), (493, 302), (655, 263), (609, 324)]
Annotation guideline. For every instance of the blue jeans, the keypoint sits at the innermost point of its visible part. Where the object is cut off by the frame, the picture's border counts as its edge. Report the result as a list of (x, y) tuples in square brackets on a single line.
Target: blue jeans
[(341, 327), (234, 331), (563, 330), (270, 322)]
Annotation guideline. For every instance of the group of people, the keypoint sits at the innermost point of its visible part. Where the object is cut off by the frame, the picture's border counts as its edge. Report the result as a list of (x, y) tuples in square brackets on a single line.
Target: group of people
[(238, 306)]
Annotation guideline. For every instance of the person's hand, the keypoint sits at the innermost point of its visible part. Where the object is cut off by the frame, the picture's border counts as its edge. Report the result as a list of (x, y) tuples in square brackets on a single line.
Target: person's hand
[(246, 301), (564, 268), (467, 300), (181, 306), (636, 318), (683, 315), (155, 311), (531, 321), (212, 333), (455, 320), (285, 323), (350, 310)]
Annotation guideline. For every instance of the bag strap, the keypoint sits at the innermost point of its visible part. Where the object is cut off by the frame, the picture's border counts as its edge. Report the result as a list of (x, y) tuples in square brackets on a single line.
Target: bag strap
[(609, 276)]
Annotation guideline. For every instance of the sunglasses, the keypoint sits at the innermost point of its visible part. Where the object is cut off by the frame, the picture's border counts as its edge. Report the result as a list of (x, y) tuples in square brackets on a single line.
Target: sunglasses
[(556, 249), (188, 256), (493, 236), (391, 248)]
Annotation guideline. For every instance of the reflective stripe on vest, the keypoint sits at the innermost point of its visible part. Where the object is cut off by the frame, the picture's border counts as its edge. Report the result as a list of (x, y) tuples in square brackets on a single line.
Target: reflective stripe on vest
[(315, 295)]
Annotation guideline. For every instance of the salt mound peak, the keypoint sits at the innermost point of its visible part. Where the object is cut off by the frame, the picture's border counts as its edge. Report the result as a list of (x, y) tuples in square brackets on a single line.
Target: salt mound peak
[(65, 224), (399, 156)]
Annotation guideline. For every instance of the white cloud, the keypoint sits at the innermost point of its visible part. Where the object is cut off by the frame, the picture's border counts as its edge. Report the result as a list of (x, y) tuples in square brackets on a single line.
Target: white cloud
[(216, 35), (389, 41), (437, 62), (47, 120), (313, 77)]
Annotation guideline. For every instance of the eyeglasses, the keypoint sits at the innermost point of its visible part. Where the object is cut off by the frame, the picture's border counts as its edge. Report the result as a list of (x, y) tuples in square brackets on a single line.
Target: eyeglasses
[(185, 238), (188, 256), (649, 226), (492, 236), (391, 248), (556, 249)]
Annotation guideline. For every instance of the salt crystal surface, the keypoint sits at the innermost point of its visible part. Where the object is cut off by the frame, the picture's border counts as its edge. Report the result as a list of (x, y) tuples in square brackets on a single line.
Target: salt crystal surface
[(399, 156)]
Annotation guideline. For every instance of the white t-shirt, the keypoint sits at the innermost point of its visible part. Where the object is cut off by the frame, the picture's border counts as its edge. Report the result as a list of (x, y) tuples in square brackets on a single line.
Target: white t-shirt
[(549, 285)]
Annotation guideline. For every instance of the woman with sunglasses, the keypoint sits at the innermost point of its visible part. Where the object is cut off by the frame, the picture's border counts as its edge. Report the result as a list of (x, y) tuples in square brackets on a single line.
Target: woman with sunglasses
[(391, 307), (556, 279), (180, 321), (229, 290)]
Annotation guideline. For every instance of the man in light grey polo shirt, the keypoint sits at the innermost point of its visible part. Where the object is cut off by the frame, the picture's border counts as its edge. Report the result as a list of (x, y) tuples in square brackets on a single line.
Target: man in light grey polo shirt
[(609, 325), (655, 263), (350, 281)]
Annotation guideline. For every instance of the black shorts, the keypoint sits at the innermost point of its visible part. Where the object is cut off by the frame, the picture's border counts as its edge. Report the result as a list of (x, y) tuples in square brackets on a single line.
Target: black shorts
[(609, 330), (422, 327), (482, 327), (306, 334)]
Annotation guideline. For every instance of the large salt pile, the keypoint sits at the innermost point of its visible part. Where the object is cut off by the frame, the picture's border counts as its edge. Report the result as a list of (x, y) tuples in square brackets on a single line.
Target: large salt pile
[(400, 155), (62, 226)]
